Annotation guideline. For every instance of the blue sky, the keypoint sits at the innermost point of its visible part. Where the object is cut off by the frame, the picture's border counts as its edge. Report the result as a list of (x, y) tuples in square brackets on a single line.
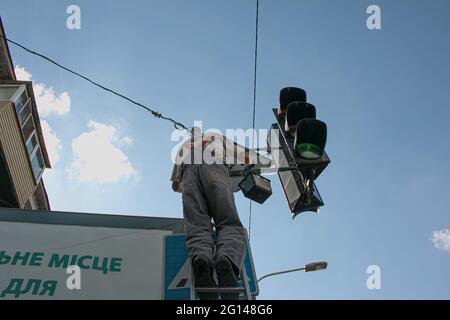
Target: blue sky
[(384, 95)]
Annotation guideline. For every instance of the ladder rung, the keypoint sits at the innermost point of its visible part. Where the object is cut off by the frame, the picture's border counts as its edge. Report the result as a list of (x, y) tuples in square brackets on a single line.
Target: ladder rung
[(219, 290)]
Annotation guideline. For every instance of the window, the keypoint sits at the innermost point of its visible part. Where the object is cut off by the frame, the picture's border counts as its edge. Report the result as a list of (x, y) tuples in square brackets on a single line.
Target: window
[(21, 101), (31, 144), (37, 163), (26, 111), (28, 128)]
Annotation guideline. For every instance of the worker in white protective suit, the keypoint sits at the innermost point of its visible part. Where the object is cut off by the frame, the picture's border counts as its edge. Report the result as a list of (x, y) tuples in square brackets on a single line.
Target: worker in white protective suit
[(202, 174)]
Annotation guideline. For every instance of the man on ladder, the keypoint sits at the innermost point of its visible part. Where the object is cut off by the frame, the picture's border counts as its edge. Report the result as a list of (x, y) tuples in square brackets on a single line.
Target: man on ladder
[(202, 174)]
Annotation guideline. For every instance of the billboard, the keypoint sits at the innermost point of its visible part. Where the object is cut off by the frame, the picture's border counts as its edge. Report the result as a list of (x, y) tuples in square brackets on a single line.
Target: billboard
[(88, 257)]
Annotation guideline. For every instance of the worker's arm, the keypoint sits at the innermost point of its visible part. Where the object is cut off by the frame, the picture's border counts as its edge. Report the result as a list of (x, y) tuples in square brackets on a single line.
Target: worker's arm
[(236, 153), (247, 158), (244, 157), (176, 186)]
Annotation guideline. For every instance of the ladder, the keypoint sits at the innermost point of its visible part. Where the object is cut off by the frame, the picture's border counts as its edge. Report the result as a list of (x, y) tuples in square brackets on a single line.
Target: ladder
[(243, 287)]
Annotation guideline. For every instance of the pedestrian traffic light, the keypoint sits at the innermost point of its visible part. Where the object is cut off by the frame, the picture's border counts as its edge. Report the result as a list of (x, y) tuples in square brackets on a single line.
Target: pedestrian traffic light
[(297, 143)]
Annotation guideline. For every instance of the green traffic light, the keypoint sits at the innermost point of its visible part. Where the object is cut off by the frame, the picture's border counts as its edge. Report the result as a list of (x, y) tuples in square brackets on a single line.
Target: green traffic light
[(309, 151)]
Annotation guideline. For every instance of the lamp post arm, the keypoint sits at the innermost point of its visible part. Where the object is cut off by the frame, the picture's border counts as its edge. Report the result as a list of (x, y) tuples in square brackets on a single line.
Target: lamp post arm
[(280, 272)]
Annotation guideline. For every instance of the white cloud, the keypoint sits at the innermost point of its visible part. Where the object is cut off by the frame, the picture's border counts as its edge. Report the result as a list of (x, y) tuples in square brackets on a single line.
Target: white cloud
[(52, 142), (22, 74), (46, 99), (126, 141), (48, 103), (441, 239), (98, 157)]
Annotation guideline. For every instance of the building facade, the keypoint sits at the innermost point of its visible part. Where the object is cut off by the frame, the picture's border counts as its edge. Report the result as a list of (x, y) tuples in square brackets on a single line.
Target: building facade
[(23, 155)]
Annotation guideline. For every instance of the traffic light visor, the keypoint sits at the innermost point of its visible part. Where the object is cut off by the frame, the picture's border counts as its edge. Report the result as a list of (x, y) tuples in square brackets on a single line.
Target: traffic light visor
[(297, 111), (289, 95)]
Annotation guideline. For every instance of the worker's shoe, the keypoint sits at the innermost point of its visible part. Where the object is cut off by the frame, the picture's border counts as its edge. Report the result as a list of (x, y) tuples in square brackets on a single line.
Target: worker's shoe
[(226, 277), (204, 276)]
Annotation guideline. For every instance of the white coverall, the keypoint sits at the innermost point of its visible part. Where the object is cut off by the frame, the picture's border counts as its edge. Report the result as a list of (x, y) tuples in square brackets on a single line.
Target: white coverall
[(203, 171)]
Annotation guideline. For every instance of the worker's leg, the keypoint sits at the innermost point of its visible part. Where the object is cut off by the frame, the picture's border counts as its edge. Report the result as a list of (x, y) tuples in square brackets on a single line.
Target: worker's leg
[(230, 232), (199, 238), (196, 217)]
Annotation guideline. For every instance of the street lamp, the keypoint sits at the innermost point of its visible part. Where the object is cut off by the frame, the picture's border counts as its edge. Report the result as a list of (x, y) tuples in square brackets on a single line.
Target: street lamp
[(314, 266)]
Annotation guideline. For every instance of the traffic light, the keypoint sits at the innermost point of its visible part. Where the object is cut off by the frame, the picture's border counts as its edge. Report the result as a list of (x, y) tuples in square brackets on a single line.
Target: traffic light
[(297, 143)]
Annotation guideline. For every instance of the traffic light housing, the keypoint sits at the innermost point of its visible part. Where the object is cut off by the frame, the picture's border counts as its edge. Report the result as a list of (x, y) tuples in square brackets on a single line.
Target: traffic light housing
[(297, 143)]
